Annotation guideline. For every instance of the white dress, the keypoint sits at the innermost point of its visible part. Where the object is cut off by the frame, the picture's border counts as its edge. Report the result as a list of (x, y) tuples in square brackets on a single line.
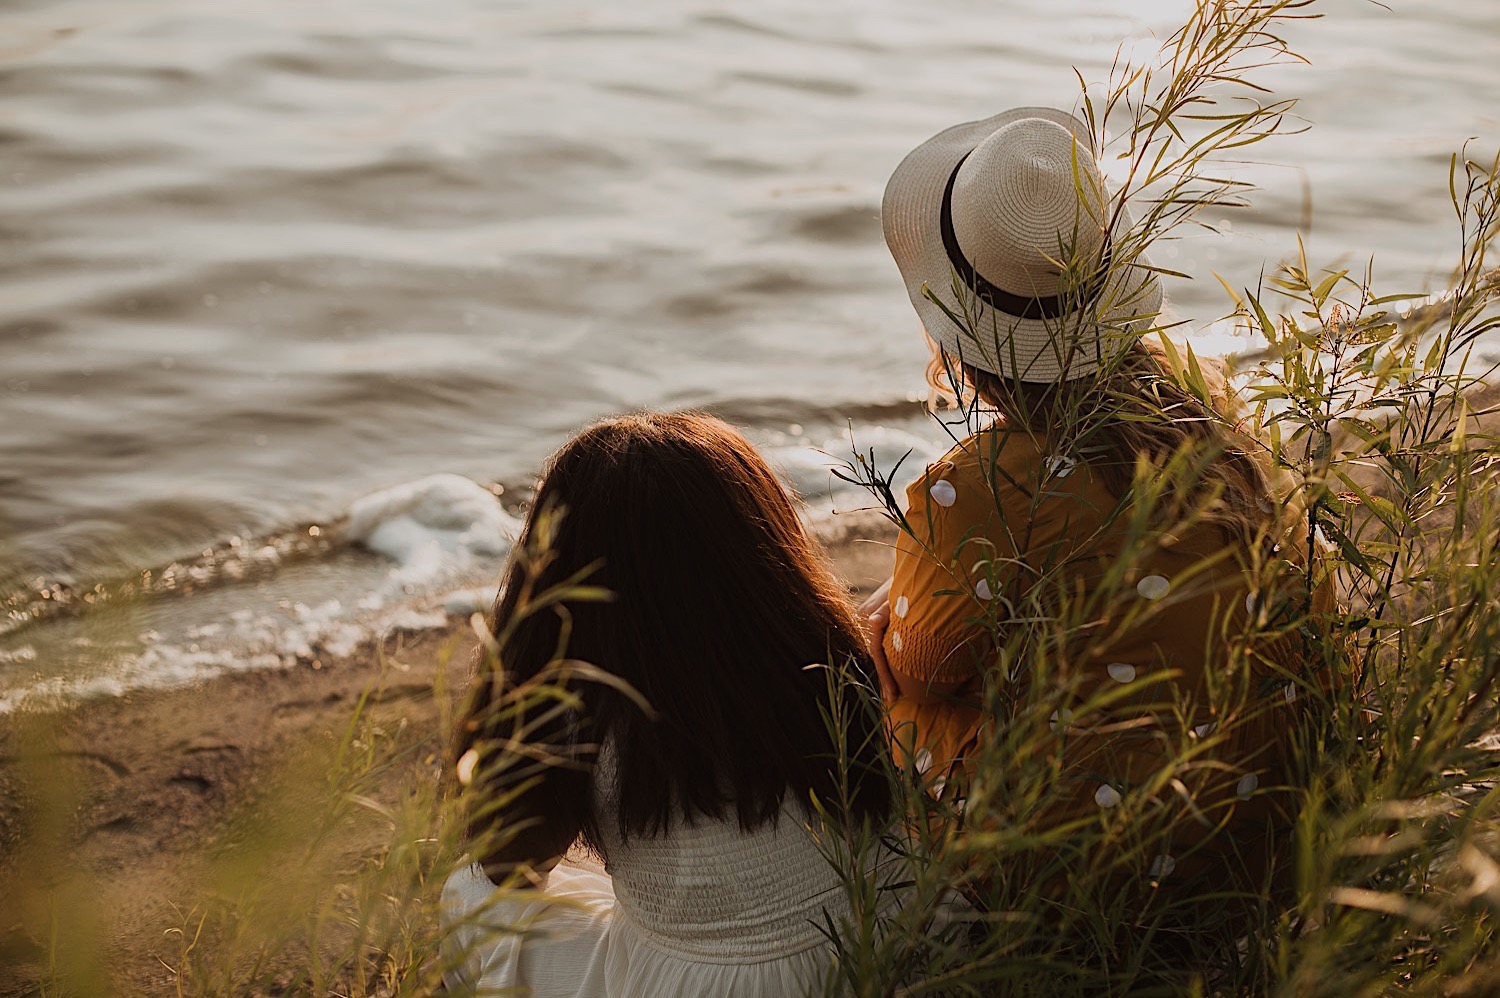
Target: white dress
[(704, 910)]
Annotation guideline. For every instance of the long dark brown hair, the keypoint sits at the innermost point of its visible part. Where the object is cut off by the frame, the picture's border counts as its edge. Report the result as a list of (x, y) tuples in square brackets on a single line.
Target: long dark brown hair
[(722, 614)]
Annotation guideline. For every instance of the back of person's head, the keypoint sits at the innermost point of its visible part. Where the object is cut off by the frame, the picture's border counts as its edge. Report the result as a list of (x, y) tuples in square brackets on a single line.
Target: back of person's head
[(721, 611)]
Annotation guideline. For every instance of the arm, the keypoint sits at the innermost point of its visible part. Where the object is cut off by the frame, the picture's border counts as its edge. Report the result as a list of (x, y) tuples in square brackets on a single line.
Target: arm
[(898, 685), (934, 626)]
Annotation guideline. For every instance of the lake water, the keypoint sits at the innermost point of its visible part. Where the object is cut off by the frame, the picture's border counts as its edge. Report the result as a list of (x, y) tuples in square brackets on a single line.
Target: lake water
[(262, 259)]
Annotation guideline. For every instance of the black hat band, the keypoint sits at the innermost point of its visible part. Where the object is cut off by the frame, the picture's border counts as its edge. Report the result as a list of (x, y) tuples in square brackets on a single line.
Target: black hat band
[(1019, 306)]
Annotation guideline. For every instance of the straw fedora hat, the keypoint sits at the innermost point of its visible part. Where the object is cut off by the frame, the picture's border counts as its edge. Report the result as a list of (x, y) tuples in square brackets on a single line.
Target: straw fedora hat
[(1008, 223)]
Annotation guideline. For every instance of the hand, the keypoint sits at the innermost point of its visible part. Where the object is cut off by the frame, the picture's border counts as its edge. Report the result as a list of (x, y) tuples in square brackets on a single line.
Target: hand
[(875, 625)]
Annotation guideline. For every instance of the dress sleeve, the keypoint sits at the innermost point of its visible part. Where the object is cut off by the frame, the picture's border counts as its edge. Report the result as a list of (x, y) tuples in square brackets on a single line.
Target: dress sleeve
[(946, 576)]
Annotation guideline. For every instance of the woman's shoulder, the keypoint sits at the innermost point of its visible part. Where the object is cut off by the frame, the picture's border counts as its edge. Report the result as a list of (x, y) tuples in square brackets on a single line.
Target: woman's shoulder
[(1015, 475), (994, 454)]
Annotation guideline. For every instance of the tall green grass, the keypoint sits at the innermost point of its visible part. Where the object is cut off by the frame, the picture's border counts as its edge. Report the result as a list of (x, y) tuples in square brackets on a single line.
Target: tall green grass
[(1369, 418)]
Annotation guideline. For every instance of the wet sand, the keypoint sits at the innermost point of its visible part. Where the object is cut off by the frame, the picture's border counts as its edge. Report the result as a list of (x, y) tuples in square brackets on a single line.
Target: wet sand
[(162, 778)]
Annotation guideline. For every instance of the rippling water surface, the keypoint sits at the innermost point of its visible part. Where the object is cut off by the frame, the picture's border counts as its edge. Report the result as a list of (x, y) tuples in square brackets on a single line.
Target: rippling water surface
[(261, 259)]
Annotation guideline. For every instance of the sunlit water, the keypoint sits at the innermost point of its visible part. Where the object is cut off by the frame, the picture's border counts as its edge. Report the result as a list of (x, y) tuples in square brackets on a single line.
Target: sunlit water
[(262, 259)]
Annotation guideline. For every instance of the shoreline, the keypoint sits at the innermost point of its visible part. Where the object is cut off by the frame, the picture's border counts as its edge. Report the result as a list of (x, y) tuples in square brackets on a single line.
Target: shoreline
[(162, 777), (303, 594)]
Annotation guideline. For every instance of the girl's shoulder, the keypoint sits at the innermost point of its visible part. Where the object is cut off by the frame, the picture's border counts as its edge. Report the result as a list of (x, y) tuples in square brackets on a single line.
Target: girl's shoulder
[(1016, 475), (979, 472), (996, 452)]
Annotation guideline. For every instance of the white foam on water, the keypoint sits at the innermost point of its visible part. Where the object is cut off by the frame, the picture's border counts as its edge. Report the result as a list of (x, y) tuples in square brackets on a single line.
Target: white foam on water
[(247, 641), (434, 529), (469, 601), (437, 531)]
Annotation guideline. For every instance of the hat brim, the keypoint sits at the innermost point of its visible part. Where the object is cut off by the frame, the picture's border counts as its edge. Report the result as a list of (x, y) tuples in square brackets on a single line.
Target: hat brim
[(1035, 350)]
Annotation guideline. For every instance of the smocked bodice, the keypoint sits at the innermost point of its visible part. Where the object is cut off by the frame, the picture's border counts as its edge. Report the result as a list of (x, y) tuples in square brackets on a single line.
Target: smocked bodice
[(702, 909), (712, 892)]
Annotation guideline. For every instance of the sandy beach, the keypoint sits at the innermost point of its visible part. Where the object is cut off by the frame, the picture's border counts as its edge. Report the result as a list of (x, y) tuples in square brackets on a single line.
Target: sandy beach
[(156, 784)]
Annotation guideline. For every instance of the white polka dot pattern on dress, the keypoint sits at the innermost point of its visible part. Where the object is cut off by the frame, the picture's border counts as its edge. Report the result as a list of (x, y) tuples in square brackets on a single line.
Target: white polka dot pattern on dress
[(938, 786), (1246, 786), (1251, 603), (1060, 718), (923, 760), (1121, 672), (1153, 587), (1162, 866), (896, 640), (901, 606), (982, 589), (1106, 796), (466, 765), (943, 493), (1204, 730), (1290, 692)]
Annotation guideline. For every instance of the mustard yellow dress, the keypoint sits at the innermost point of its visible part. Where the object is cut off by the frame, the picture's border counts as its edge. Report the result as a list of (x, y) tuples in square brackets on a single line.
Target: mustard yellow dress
[(1004, 512)]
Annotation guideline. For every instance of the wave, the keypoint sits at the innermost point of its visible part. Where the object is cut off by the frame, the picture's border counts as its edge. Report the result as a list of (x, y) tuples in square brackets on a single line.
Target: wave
[(407, 557)]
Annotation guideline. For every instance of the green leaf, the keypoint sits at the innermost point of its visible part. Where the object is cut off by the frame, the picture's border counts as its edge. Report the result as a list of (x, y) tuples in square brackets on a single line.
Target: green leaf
[(1234, 296), (1326, 286), (1196, 381), (1264, 393), (1347, 547), (1436, 354), (1376, 436), (1267, 327), (588, 594), (1460, 426), (1170, 349), (1387, 299), (1389, 513)]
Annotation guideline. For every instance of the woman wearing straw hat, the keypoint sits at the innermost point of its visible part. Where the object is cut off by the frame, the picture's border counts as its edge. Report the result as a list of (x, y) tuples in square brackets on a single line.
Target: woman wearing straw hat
[(1100, 553)]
